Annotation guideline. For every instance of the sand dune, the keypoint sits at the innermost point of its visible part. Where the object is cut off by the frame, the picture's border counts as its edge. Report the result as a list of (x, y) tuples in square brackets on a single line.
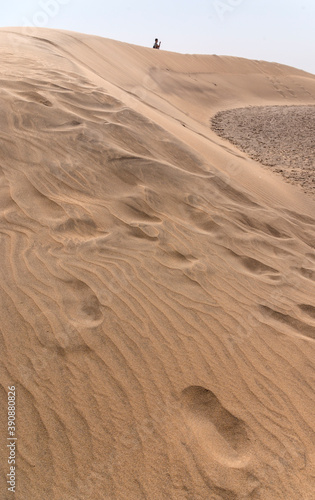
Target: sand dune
[(157, 284)]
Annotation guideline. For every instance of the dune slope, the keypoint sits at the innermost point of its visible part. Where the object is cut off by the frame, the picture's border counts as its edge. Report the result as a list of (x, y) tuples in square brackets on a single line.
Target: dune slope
[(157, 284)]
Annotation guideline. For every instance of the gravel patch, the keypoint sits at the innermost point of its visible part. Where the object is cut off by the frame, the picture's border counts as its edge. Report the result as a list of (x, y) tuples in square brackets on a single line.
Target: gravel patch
[(280, 137)]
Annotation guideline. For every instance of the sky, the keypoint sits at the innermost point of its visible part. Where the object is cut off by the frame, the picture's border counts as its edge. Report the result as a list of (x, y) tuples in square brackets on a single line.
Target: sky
[(281, 31)]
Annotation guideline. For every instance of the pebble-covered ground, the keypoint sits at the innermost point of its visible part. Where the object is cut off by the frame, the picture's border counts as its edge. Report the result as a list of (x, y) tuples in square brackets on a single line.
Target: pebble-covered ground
[(280, 137)]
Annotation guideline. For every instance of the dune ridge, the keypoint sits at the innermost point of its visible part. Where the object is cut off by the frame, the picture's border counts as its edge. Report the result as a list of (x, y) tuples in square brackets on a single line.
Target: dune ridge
[(157, 284)]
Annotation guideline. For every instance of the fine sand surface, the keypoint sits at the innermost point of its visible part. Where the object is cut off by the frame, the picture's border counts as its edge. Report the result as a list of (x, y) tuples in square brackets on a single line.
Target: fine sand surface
[(157, 284)]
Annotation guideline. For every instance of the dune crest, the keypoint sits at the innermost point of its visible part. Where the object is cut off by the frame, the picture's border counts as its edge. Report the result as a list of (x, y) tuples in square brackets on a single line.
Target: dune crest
[(157, 284)]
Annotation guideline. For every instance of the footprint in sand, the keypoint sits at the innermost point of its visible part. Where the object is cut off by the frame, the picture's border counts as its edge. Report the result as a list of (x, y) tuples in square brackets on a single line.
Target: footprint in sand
[(308, 310), (253, 266), (33, 96), (292, 325), (307, 273), (81, 305), (217, 431)]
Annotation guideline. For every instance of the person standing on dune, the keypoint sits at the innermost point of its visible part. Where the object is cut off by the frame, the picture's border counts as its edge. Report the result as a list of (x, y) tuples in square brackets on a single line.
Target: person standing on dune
[(157, 45)]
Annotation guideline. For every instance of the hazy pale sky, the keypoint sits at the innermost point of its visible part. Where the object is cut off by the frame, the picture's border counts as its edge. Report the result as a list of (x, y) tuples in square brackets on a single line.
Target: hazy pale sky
[(273, 30)]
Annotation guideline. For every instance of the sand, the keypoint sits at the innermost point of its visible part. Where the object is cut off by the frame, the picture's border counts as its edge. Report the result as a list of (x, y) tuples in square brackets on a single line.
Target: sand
[(157, 283)]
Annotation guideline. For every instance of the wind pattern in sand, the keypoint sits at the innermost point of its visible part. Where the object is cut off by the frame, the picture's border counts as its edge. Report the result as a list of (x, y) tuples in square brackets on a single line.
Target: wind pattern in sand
[(157, 285)]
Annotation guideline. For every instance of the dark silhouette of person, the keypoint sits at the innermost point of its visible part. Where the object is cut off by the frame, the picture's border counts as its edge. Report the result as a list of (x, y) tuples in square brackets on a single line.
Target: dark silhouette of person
[(157, 45)]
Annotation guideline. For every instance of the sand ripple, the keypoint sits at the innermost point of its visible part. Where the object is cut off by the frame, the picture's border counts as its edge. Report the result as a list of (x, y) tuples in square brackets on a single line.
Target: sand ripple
[(157, 316)]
